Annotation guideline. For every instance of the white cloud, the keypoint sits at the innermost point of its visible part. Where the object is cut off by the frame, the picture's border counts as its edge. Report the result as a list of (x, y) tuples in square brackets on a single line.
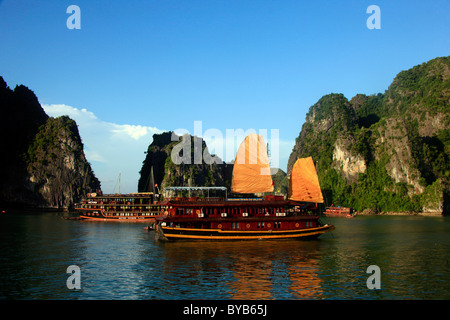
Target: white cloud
[(93, 155), (133, 131), (56, 110), (111, 148)]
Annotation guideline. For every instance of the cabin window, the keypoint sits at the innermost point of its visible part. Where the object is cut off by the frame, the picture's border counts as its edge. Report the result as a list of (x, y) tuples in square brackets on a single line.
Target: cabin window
[(235, 225), (260, 225)]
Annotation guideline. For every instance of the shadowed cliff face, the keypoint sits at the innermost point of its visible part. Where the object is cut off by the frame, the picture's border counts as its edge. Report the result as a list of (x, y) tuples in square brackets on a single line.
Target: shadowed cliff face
[(387, 152), (166, 173), (57, 168), (212, 171), (43, 158)]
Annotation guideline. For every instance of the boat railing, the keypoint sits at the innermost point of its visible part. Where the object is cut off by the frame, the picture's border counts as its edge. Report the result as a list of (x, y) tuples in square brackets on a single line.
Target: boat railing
[(204, 215), (200, 212), (195, 199)]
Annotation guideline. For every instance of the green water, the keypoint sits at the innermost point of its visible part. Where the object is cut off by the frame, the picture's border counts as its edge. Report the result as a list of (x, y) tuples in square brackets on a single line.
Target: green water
[(123, 261)]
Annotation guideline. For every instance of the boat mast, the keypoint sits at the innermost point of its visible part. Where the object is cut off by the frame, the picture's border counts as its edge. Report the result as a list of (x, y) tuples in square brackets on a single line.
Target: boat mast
[(152, 181), (120, 176), (270, 167)]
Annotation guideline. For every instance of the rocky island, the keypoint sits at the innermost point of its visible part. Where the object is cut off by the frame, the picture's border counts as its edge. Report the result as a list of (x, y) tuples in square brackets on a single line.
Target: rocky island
[(387, 152), (43, 161)]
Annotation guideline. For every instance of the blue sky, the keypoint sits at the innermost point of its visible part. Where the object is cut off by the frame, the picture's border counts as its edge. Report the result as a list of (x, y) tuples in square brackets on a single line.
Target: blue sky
[(140, 67)]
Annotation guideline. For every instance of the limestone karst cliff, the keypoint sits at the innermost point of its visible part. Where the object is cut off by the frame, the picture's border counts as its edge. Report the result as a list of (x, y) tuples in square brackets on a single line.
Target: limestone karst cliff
[(43, 161), (192, 169), (386, 152)]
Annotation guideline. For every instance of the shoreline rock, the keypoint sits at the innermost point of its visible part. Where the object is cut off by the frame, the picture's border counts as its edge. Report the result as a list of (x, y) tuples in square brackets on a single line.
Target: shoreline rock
[(371, 212)]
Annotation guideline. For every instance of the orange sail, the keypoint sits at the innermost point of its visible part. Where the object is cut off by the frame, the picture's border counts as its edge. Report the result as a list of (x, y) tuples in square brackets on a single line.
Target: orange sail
[(251, 171), (304, 183)]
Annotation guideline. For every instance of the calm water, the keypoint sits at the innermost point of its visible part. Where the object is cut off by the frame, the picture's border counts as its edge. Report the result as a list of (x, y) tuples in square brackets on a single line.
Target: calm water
[(123, 261)]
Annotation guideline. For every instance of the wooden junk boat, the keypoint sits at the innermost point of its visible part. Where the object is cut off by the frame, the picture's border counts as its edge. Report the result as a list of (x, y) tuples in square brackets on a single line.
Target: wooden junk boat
[(269, 217), (135, 207)]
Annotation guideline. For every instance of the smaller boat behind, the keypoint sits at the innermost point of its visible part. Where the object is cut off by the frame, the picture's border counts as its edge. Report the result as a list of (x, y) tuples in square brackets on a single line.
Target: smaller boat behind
[(133, 207), (341, 212)]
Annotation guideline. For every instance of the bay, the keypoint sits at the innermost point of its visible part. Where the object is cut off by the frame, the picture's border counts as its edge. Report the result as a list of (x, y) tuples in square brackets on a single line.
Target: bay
[(122, 261)]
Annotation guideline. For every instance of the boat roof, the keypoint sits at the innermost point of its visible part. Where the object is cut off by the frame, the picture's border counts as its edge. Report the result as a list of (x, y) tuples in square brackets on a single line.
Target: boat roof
[(120, 195), (195, 188)]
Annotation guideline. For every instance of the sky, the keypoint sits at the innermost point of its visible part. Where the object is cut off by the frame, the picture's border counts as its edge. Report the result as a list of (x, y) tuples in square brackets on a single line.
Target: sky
[(135, 68)]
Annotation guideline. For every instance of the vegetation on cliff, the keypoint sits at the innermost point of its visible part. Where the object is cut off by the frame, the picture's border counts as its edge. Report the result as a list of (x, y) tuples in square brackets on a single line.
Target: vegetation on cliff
[(45, 164), (386, 152), (189, 173), (167, 173)]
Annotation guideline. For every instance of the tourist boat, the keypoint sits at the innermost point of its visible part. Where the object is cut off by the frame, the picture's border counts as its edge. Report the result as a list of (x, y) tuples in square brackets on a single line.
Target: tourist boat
[(248, 218), (339, 211), (135, 207)]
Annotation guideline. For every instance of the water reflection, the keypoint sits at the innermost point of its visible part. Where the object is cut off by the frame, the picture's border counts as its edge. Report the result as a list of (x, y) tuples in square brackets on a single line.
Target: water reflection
[(251, 277), (412, 253), (244, 269), (122, 261), (114, 260), (306, 283)]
